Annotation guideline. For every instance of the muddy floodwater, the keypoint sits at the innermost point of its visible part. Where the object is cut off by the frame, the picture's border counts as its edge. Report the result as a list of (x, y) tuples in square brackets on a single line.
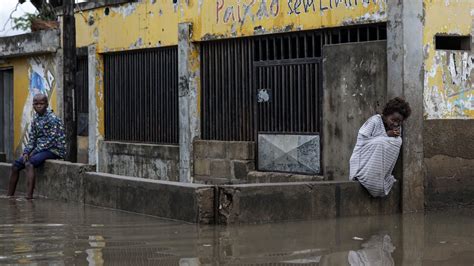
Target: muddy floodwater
[(51, 232)]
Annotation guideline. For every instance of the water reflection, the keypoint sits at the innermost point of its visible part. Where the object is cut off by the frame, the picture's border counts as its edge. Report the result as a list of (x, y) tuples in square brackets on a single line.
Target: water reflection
[(376, 251), (43, 231)]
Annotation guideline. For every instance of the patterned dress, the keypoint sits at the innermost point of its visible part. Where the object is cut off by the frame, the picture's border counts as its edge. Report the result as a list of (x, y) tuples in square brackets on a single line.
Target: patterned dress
[(46, 134), (374, 157)]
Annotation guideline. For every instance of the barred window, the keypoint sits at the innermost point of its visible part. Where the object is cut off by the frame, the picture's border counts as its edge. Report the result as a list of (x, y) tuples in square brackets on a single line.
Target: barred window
[(141, 95)]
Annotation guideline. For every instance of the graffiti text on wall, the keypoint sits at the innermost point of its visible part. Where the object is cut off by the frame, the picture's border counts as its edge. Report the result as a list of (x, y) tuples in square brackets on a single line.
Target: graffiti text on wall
[(239, 11)]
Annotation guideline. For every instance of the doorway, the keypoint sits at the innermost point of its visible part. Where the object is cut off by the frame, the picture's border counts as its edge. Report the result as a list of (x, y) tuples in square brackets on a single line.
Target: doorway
[(6, 117)]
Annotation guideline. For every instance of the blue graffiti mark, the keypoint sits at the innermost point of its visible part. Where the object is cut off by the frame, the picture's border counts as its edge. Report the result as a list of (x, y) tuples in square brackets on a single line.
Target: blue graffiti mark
[(37, 84)]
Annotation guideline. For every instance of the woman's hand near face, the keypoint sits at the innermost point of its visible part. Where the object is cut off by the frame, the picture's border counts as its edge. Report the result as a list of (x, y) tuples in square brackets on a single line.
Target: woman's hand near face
[(397, 132), (393, 133)]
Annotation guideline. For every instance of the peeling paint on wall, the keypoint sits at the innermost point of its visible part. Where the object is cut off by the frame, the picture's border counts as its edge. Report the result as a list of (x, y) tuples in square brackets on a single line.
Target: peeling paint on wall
[(31, 75), (137, 25), (125, 10), (41, 75), (448, 80), (126, 23), (454, 98), (234, 18)]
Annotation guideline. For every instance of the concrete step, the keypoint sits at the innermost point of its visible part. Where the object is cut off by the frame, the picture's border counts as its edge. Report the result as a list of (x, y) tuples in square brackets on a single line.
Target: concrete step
[(278, 177), (258, 177)]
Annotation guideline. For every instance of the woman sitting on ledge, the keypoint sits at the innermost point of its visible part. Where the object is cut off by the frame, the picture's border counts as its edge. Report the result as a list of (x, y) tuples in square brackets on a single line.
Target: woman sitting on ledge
[(377, 148)]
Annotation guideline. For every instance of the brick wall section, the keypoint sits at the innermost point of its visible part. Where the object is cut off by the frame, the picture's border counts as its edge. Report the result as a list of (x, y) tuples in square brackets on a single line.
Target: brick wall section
[(222, 161)]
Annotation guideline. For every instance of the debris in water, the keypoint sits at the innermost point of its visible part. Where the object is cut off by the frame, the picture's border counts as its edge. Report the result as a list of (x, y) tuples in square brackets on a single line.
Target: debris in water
[(97, 225), (358, 238), (442, 242)]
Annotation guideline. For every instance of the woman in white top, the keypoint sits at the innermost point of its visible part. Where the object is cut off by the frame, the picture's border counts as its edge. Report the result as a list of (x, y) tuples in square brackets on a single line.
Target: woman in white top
[(377, 148)]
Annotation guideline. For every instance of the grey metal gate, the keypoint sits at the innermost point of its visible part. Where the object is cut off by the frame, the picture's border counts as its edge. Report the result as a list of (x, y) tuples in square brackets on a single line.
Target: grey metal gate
[(228, 76), (268, 89), (288, 97), (288, 115), (6, 117), (227, 90)]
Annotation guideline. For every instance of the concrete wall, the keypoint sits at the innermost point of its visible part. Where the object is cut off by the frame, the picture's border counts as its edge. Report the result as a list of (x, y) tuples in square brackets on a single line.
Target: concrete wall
[(405, 79), (260, 203), (222, 161), (57, 180), (186, 202), (449, 162), (233, 204), (34, 43), (155, 23), (448, 93), (354, 89), (141, 160), (66, 181)]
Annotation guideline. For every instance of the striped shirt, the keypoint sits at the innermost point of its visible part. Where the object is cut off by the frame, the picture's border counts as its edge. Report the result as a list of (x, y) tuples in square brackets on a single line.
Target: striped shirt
[(374, 157)]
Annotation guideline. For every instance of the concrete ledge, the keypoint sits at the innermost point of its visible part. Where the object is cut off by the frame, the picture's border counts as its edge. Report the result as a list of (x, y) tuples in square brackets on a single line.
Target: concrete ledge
[(40, 42), (58, 180), (261, 203), (224, 204), (187, 202), (275, 177)]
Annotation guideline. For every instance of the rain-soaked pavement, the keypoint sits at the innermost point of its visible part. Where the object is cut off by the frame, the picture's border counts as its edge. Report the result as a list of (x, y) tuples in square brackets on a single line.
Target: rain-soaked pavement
[(49, 232)]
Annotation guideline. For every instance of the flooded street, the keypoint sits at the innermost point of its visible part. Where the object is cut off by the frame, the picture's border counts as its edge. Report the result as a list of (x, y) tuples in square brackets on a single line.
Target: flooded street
[(44, 231)]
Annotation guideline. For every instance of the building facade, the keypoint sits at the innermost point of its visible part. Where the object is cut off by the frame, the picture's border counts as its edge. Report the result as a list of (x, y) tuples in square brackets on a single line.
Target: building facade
[(246, 91)]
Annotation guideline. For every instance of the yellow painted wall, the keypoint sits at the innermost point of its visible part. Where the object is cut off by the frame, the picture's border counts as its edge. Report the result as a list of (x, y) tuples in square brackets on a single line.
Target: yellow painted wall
[(235, 18), (23, 69), (449, 86), (130, 26), (154, 23)]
